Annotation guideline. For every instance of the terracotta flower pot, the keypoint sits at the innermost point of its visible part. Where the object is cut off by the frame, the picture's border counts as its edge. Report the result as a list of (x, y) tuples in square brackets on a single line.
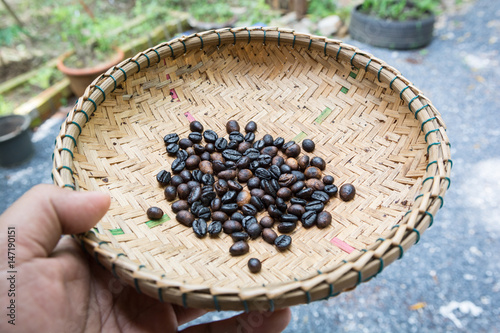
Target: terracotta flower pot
[(15, 140), (81, 78)]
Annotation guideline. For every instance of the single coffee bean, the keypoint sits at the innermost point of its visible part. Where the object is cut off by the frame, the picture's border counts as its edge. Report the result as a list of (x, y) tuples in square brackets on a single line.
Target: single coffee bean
[(219, 216), (172, 149), (289, 218), (185, 218), (233, 144), (243, 163), (206, 167), (244, 146), (239, 248), (257, 203), (197, 175), (186, 175), (230, 165), (190, 151), (308, 219), (231, 226), (243, 198), (347, 192), (318, 162), (227, 174), (182, 155), (196, 126), (237, 216), (204, 213), (178, 165), (214, 228), (249, 209), (320, 196), (221, 187), (229, 208), (268, 235), (218, 166), (244, 175), (251, 126), (274, 212), (252, 154), (285, 193), (232, 126), (285, 169), (171, 138), (259, 144), (229, 197), (205, 156), (305, 193), (283, 242), (279, 142), (275, 172), (236, 136), (286, 227), (215, 205), (200, 228), (313, 172), (287, 180), (268, 200), (195, 137), (328, 180), (199, 149), (210, 147), (303, 162), (275, 184), (194, 195), (262, 173), (298, 201), (231, 155), (287, 145), (268, 140), (254, 165), (265, 161), (270, 150), (183, 191), (247, 221), (176, 180), (185, 143), (253, 182), (208, 179), (154, 213), (308, 145), (210, 136), (180, 205), (315, 184), (316, 206), (220, 144), (297, 187), (192, 162), (267, 222), (331, 190), (254, 230), (207, 197), (257, 192), (240, 236), (278, 161), (324, 220), (296, 210), (164, 177), (268, 187), (293, 151), (298, 174), (250, 138), (292, 163), (196, 207), (217, 157), (234, 186)]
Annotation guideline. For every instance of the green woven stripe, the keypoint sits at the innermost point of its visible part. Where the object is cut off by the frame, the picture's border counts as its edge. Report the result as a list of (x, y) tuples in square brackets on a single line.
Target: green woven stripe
[(353, 75), (116, 232), (154, 223), (344, 90), (299, 137), (326, 112)]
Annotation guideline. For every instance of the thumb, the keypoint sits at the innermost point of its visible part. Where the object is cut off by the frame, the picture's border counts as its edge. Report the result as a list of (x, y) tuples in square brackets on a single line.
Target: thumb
[(45, 212)]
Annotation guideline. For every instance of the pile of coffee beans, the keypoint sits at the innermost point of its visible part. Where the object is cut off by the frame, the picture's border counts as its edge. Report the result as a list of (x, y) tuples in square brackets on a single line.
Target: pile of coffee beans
[(231, 181)]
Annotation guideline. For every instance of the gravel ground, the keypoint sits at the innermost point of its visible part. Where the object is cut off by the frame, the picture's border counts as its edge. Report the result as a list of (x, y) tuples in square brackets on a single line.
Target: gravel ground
[(451, 276)]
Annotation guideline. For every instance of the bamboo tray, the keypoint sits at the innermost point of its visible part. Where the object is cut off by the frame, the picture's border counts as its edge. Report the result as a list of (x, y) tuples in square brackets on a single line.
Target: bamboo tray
[(371, 125)]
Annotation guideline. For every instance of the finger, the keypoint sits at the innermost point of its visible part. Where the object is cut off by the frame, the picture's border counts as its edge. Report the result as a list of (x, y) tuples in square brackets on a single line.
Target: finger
[(261, 322), (185, 315), (45, 212)]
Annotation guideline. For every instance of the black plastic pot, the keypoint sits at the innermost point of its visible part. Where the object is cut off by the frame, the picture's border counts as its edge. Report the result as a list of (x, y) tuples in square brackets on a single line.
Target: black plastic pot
[(15, 140), (400, 35)]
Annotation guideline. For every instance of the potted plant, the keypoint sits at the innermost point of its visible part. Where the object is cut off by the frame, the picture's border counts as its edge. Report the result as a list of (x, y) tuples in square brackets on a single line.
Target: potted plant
[(394, 24), (92, 51), (15, 140)]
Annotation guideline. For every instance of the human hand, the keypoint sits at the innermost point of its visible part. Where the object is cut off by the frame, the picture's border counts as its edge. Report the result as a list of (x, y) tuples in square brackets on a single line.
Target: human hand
[(57, 289)]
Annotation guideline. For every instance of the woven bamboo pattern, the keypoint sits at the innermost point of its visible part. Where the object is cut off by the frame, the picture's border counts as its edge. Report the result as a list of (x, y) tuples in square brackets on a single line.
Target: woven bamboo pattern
[(370, 124)]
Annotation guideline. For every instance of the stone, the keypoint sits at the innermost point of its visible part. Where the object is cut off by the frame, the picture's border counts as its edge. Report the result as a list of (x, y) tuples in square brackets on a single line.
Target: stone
[(329, 25)]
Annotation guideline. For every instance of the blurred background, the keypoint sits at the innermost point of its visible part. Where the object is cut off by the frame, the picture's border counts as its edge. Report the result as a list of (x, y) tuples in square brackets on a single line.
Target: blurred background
[(449, 281)]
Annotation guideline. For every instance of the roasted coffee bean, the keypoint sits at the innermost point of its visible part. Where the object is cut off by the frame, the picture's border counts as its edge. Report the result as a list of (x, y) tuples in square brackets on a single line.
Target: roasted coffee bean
[(287, 145), (244, 146), (176, 180), (220, 144), (185, 218), (239, 248), (279, 142), (232, 126), (270, 150), (207, 197), (236, 136), (205, 156), (237, 216), (185, 143), (274, 212), (190, 151), (324, 220), (180, 205), (214, 228), (221, 187), (257, 203), (315, 184), (259, 144), (171, 138), (289, 218), (285, 169), (328, 180), (231, 155), (303, 162), (287, 180), (186, 175), (313, 172), (204, 213), (275, 184), (210, 147), (154, 213), (205, 167), (305, 193), (293, 151), (229, 208), (286, 227), (233, 144), (195, 207), (268, 140), (308, 145), (243, 163), (194, 195), (268, 200), (182, 155), (265, 161), (297, 187), (254, 230), (268, 187), (318, 162), (268, 235), (308, 219), (229, 197), (231, 226), (215, 205), (347, 192), (331, 190), (208, 179), (249, 209), (247, 221), (218, 166), (172, 148), (254, 165), (195, 137), (257, 192), (244, 175), (267, 222), (250, 137), (197, 175), (164, 177), (292, 163), (262, 173), (210, 136), (278, 161), (206, 188), (198, 149), (316, 206), (217, 157), (275, 171), (192, 162), (320, 196), (196, 126), (298, 201), (230, 165), (227, 174), (283, 242), (219, 216), (298, 174), (285, 193), (200, 228), (183, 191), (234, 186), (251, 126), (252, 154), (253, 182), (296, 210), (243, 198), (240, 236), (178, 165)]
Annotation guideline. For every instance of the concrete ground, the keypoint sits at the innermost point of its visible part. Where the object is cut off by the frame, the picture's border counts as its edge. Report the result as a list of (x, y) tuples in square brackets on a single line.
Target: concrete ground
[(450, 280)]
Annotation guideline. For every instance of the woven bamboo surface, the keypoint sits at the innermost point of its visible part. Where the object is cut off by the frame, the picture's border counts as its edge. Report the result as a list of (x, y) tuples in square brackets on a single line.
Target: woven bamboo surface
[(371, 125)]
